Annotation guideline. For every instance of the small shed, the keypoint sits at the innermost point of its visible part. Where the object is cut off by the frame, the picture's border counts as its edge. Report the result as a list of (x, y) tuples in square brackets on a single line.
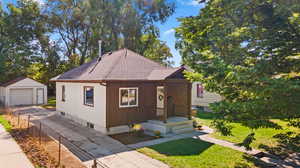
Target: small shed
[(23, 91)]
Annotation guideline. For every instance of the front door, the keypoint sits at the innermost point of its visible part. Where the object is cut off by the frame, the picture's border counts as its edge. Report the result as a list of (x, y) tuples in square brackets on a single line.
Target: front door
[(160, 96), (40, 96)]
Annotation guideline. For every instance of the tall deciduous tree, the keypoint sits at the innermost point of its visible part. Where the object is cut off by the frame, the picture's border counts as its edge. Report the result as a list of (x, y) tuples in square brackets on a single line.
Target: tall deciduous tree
[(248, 52), (80, 24), (18, 38)]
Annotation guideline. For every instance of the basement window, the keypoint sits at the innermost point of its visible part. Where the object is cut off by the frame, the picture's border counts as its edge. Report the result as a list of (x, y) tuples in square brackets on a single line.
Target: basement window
[(90, 125), (89, 96), (128, 97)]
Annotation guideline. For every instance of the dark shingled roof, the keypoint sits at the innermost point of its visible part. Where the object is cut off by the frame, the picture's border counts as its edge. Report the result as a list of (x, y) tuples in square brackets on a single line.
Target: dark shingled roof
[(5, 84), (123, 64)]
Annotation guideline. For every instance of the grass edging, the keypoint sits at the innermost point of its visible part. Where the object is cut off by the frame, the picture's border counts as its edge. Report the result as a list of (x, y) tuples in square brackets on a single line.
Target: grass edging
[(5, 123)]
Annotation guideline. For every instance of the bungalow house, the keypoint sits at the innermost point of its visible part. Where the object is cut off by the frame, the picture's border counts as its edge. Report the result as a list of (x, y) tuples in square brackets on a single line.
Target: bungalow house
[(202, 98), (122, 88)]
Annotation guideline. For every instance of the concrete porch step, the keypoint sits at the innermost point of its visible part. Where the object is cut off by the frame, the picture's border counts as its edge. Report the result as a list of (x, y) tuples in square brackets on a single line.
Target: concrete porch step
[(170, 123), (182, 130), (182, 126)]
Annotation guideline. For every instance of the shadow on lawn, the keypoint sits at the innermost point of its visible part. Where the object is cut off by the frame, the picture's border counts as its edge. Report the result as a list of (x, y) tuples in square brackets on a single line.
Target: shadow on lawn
[(182, 147), (288, 143), (251, 159)]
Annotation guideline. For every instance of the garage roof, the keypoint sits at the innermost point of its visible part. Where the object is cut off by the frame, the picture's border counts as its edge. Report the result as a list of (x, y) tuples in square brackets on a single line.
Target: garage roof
[(18, 79), (7, 83)]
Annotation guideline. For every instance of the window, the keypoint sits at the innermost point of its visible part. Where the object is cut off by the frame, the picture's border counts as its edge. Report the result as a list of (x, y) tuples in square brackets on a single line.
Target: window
[(90, 125), (200, 90), (89, 96), (128, 97), (63, 93)]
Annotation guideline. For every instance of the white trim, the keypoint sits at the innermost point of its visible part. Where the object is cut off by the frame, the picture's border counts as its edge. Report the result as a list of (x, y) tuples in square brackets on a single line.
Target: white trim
[(137, 97), (84, 96)]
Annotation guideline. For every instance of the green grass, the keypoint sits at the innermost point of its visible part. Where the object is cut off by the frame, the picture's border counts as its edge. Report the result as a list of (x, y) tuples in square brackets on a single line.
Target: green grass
[(51, 103), (194, 153), (5, 123), (264, 136)]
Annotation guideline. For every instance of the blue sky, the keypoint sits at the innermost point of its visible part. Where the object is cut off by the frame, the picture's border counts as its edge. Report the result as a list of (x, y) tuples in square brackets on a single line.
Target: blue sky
[(184, 8)]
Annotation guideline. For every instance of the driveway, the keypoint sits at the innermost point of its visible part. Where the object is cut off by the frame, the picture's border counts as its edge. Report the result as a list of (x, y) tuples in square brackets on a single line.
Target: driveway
[(108, 151)]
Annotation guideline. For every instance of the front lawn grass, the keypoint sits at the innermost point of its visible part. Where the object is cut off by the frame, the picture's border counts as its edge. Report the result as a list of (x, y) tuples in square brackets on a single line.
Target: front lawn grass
[(264, 136), (194, 153), (51, 103), (7, 126)]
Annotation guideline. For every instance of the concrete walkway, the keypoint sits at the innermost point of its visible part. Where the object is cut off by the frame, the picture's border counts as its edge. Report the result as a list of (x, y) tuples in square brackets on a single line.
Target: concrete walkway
[(167, 138), (109, 152), (11, 155), (272, 160), (204, 136)]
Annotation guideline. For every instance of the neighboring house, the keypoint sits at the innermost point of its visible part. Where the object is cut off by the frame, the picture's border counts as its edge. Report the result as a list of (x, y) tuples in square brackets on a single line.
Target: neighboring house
[(23, 91), (202, 98), (122, 88)]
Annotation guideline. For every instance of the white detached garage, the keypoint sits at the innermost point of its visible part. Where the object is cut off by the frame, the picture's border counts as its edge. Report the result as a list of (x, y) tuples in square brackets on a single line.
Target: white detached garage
[(23, 91)]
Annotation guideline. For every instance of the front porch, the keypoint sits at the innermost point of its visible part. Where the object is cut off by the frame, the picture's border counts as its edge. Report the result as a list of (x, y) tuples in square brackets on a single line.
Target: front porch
[(173, 125), (173, 101)]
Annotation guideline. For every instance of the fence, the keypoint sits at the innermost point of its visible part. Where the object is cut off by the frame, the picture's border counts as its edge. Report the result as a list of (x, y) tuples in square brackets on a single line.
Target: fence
[(52, 140)]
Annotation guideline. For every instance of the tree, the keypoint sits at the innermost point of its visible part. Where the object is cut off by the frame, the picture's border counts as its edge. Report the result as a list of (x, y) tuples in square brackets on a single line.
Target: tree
[(156, 50), (80, 24), (18, 34), (248, 52)]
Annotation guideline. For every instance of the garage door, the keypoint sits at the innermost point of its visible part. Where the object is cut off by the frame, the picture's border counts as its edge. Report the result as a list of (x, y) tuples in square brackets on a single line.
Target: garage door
[(21, 97)]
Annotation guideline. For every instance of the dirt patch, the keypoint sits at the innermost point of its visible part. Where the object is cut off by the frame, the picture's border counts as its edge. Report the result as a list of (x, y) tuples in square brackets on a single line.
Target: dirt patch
[(42, 150), (132, 138), (36, 153)]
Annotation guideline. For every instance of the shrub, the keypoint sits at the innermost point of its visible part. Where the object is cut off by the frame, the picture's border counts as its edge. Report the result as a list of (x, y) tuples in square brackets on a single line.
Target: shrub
[(197, 124), (157, 134), (138, 130)]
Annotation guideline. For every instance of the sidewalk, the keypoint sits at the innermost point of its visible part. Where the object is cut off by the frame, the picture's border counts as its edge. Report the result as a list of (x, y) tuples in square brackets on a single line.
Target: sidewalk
[(109, 153), (11, 155)]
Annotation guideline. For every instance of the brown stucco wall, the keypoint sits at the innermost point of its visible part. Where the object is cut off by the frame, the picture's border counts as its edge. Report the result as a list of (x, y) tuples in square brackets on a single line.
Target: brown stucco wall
[(146, 109)]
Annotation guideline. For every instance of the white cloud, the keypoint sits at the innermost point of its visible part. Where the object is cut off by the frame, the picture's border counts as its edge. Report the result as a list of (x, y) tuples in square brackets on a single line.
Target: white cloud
[(193, 3), (40, 2), (171, 31), (189, 2)]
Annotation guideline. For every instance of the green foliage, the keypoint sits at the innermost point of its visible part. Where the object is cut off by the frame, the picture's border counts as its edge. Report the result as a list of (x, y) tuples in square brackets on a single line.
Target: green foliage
[(118, 23), (266, 138), (156, 50), (248, 52), (43, 41), (7, 126), (157, 134), (19, 29), (222, 127)]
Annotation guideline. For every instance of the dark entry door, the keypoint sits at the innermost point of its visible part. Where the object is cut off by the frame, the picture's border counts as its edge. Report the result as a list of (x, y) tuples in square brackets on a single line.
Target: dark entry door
[(170, 108)]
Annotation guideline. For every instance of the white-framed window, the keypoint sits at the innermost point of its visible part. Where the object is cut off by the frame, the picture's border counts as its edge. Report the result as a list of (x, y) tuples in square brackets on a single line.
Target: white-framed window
[(128, 97), (200, 90), (63, 93), (88, 95)]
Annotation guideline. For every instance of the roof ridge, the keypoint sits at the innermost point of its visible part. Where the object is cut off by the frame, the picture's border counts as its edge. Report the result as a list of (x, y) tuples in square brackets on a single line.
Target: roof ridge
[(148, 59), (112, 67)]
